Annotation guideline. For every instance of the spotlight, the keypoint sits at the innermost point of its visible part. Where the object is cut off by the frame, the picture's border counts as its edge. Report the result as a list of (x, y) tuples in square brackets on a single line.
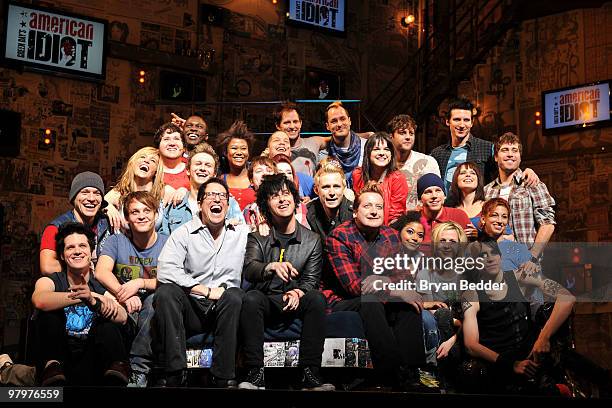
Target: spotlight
[(141, 76), (47, 139), (407, 20)]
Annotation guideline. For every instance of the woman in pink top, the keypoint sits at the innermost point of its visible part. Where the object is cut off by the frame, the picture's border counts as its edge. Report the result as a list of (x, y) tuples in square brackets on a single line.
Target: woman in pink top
[(379, 165)]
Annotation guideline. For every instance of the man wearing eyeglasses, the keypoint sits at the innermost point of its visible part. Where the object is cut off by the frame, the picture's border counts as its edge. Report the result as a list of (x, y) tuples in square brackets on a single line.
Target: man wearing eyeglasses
[(284, 270), (199, 272)]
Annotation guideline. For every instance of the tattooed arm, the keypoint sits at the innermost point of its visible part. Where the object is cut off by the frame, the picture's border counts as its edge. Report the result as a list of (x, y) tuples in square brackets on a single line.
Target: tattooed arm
[(471, 336), (564, 302)]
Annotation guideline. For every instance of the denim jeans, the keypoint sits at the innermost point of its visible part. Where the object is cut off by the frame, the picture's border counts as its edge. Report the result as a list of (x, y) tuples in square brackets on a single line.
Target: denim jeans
[(141, 355), (431, 336)]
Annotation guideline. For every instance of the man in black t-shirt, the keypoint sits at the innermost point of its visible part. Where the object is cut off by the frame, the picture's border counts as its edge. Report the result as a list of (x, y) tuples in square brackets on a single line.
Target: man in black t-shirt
[(80, 329)]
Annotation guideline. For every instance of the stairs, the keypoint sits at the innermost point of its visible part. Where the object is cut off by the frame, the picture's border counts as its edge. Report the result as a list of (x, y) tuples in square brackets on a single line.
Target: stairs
[(462, 34)]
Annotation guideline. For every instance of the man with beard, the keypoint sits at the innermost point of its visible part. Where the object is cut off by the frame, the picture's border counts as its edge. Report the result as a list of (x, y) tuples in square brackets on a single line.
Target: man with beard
[(411, 163), (532, 216), (199, 271), (87, 198)]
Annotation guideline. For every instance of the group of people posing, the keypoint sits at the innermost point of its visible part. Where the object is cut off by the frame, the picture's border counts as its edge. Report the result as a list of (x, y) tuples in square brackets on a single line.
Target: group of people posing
[(178, 247)]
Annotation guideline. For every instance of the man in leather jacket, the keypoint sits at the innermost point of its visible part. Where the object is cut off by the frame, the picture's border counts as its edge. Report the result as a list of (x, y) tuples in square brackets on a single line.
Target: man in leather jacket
[(283, 270)]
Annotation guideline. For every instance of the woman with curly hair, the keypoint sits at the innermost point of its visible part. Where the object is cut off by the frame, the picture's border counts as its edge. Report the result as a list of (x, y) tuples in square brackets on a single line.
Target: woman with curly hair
[(236, 144)]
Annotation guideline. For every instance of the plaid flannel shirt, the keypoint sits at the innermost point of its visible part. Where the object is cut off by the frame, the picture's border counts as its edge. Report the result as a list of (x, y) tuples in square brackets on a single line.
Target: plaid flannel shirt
[(351, 258), (530, 207), (479, 151)]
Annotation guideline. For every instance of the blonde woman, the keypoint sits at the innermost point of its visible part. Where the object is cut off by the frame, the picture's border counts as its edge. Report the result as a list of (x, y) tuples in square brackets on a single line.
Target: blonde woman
[(142, 173), (439, 288)]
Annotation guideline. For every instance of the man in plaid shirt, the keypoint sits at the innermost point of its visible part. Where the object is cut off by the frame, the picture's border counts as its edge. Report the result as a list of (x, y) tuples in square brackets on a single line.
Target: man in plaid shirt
[(464, 146), (391, 318), (532, 217)]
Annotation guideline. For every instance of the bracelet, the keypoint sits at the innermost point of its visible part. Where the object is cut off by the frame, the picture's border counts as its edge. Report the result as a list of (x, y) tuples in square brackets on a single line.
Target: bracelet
[(96, 306), (207, 293)]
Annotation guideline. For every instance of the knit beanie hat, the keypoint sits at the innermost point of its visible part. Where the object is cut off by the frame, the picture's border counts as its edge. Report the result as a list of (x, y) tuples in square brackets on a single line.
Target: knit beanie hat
[(428, 180), (85, 179)]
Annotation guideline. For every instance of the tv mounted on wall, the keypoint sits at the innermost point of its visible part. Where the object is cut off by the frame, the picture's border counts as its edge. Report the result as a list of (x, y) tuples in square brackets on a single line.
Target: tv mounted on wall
[(324, 14), (56, 41), (577, 107)]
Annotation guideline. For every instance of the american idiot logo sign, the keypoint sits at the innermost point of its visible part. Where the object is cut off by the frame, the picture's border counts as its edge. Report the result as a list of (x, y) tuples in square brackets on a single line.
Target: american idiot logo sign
[(328, 14), (49, 40), (576, 106)]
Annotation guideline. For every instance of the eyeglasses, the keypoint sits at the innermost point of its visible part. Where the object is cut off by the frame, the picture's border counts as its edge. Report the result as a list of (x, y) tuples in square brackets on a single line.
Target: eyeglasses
[(211, 195)]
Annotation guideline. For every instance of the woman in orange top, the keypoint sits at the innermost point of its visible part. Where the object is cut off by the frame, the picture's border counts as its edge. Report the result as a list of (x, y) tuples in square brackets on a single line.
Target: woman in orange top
[(379, 165)]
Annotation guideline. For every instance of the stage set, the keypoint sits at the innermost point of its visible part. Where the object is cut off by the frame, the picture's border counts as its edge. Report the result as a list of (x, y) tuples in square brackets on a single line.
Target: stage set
[(381, 201)]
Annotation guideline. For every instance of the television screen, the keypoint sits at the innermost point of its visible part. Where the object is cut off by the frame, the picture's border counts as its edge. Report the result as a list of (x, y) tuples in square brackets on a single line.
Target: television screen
[(577, 107), (326, 14), (55, 41)]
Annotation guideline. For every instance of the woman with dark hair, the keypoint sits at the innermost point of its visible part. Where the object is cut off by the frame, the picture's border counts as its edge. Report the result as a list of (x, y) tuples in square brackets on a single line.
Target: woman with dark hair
[(379, 165), (515, 256), (496, 325), (467, 193), (235, 145)]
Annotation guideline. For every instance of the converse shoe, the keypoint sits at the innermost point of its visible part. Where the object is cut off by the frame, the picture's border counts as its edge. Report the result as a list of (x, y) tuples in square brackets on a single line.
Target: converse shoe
[(311, 381), (254, 380), (138, 380)]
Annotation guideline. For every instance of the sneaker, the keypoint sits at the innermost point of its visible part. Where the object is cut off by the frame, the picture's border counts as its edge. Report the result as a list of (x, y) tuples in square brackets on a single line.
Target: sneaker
[(118, 373), (216, 382), (411, 381), (254, 380), (138, 380), (173, 379), (53, 375), (311, 381)]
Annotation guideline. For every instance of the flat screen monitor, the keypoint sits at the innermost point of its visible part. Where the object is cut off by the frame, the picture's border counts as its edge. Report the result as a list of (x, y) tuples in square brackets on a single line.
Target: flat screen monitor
[(53, 40), (324, 14), (574, 108)]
